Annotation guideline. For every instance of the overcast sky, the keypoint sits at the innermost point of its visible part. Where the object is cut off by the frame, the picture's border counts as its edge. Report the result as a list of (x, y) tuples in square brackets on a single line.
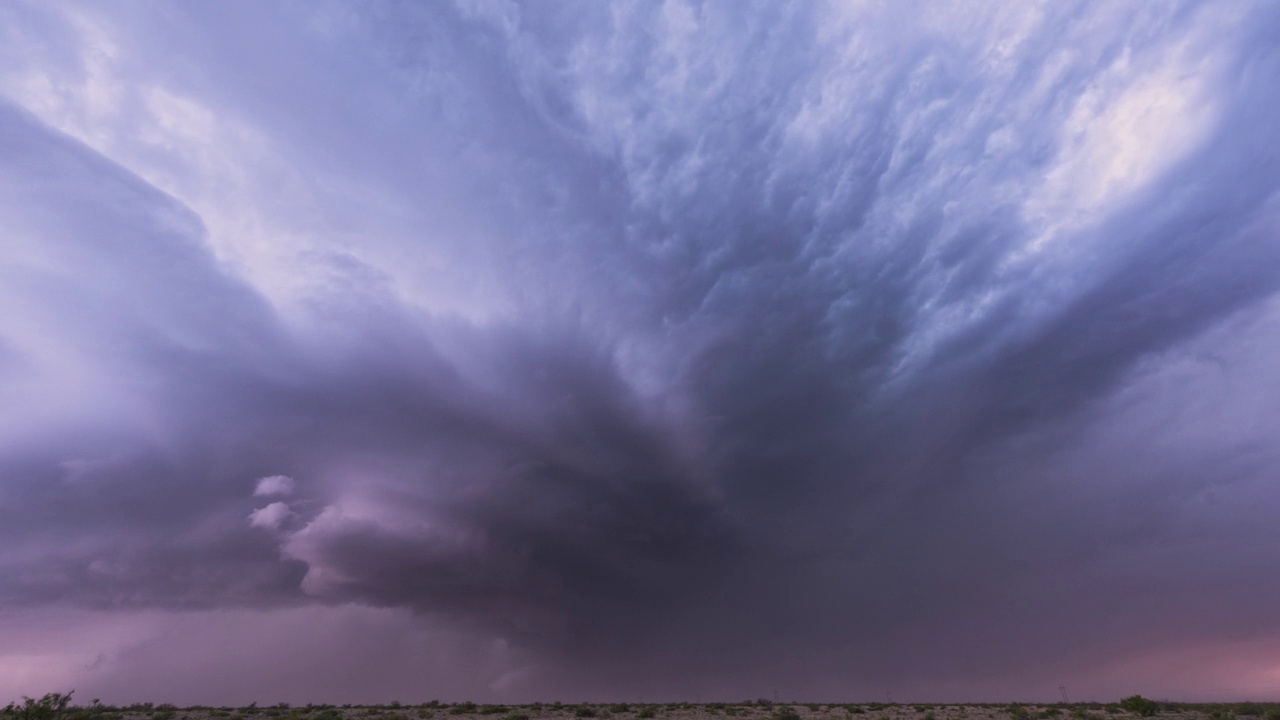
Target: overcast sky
[(371, 351)]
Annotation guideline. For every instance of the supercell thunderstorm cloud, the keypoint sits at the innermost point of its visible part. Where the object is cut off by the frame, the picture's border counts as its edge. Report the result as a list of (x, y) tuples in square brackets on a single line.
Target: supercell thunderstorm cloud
[(353, 351)]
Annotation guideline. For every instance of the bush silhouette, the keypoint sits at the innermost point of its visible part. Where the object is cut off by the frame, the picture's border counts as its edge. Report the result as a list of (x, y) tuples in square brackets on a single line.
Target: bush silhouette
[(52, 706), (1139, 705)]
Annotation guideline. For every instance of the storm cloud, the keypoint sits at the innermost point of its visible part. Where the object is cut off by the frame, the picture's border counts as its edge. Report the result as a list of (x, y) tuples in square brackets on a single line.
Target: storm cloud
[(640, 349)]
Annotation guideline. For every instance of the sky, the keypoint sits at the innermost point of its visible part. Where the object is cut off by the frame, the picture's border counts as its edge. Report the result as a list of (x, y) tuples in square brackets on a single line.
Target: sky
[(704, 350)]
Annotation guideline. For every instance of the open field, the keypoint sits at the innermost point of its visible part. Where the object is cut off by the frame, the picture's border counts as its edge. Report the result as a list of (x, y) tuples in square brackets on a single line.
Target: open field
[(57, 707)]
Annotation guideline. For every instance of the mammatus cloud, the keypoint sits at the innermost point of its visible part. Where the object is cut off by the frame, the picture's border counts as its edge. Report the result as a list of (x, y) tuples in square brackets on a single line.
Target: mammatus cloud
[(644, 350)]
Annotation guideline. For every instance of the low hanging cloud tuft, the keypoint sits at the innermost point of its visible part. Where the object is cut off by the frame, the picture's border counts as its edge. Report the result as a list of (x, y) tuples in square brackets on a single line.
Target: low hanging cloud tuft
[(274, 485), (270, 517)]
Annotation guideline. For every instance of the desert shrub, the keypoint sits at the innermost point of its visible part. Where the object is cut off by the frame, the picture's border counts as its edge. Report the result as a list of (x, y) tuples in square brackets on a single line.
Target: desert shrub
[(786, 712), (1246, 708), (52, 706), (1273, 713), (646, 713), (620, 707), (463, 708), (492, 709), (328, 714), (1018, 712), (1139, 705), (584, 711)]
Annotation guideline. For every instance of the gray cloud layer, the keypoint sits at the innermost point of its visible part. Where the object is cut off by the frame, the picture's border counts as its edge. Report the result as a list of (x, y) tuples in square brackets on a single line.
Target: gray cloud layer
[(707, 347)]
